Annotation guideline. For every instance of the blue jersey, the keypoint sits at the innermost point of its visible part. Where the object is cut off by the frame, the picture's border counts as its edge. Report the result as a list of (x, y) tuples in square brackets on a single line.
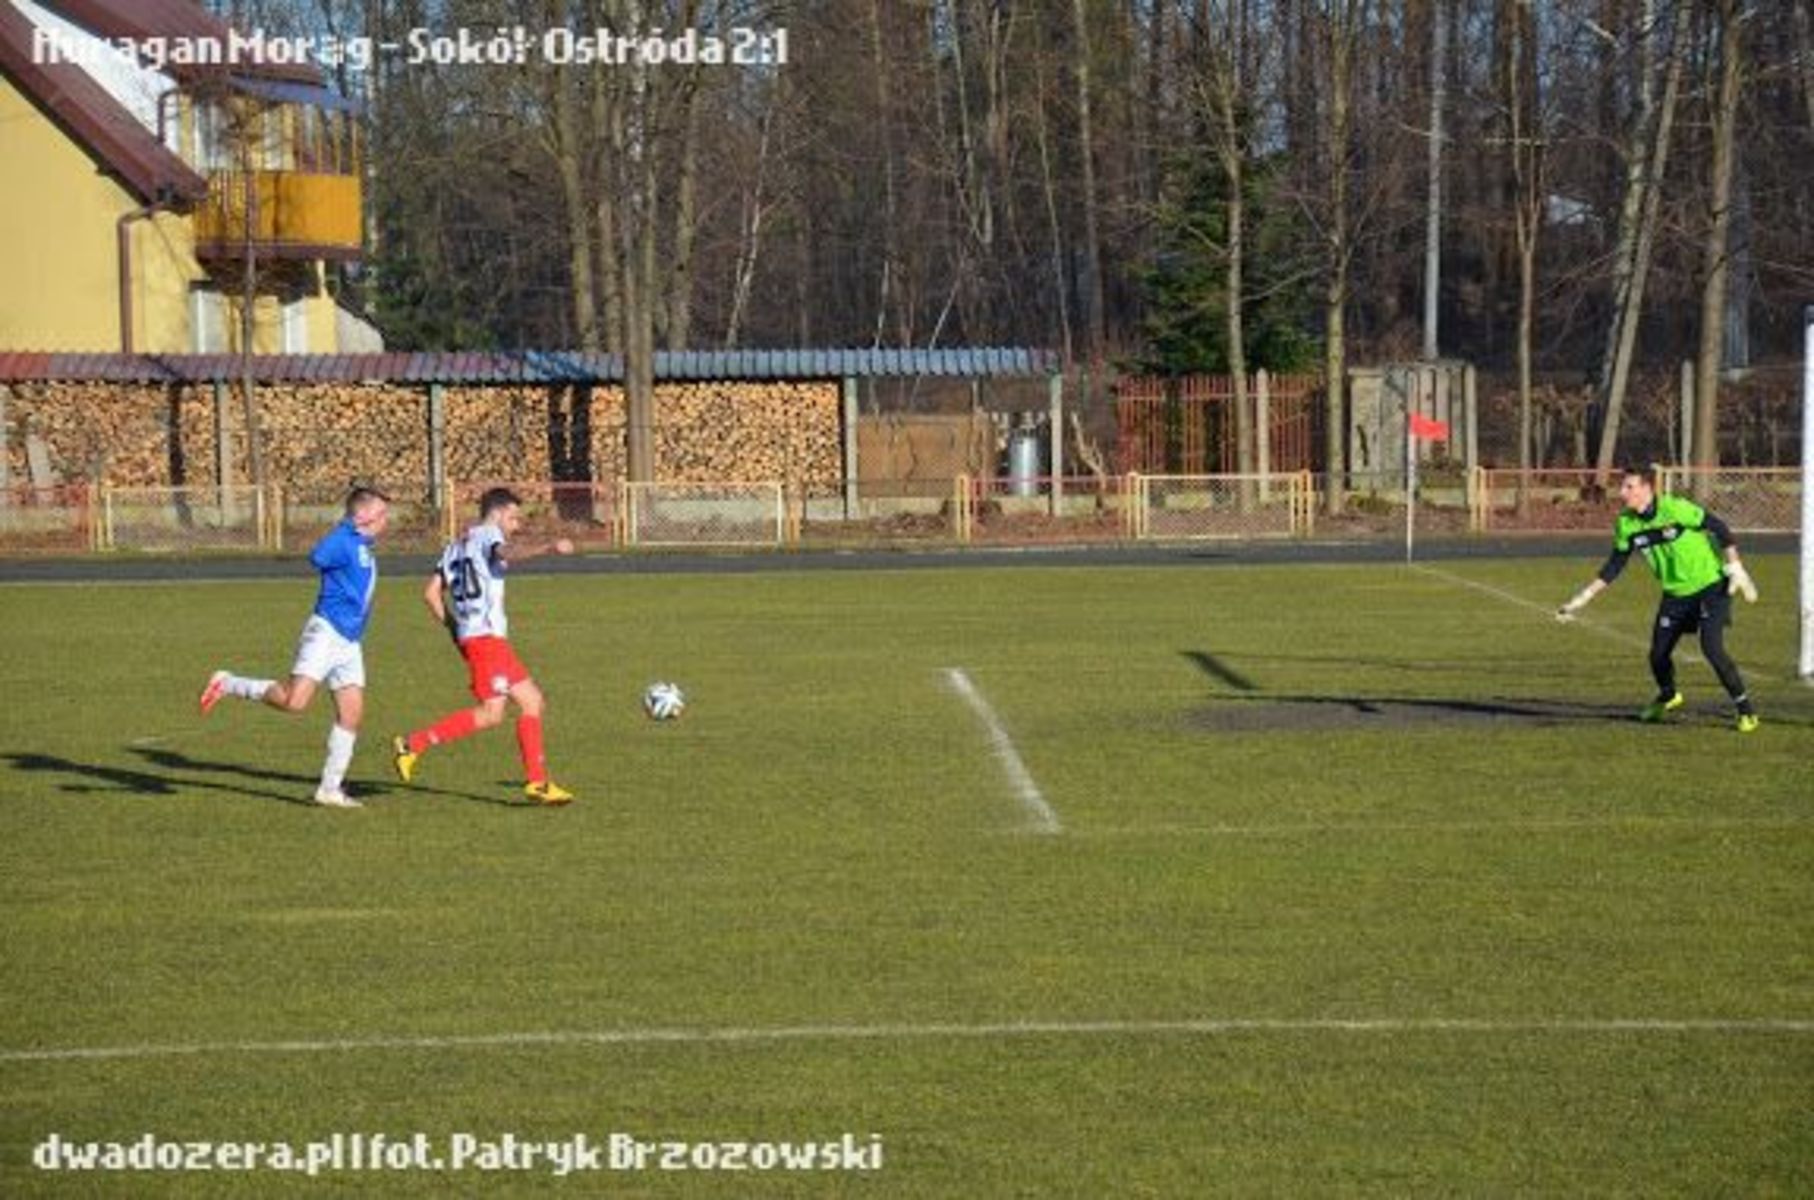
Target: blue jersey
[(349, 576)]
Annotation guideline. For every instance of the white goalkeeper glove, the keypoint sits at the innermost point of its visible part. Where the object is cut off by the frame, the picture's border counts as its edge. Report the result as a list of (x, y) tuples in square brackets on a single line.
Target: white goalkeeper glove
[(1576, 603), (1738, 582)]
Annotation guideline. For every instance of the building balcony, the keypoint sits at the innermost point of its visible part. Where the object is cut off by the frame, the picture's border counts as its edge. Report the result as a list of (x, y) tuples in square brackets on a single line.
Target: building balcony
[(295, 215)]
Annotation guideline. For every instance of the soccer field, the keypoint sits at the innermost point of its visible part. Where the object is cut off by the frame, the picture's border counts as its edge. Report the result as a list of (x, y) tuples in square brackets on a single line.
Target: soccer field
[(1082, 881)]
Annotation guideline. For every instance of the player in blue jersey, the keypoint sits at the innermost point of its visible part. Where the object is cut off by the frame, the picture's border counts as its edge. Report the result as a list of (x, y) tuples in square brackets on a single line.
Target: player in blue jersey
[(328, 651)]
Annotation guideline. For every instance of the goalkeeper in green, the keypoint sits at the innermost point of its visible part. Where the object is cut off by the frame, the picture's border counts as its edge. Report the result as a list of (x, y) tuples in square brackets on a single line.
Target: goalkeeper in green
[(1678, 539)]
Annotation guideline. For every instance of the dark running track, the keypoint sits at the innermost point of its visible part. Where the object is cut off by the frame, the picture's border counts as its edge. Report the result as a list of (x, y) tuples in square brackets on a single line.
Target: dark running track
[(1588, 547)]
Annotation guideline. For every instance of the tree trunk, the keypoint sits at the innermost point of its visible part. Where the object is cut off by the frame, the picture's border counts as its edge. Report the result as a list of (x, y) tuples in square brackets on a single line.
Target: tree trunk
[(607, 134), (1804, 55), (1226, 93), (1432, 254), (749, 249), (633, 160), (1094, 324), (1341, 32), (1049, 189), (1614, 387), (679, 310), (563, 144), (1524, 109), (1715, 260), (891, 249)]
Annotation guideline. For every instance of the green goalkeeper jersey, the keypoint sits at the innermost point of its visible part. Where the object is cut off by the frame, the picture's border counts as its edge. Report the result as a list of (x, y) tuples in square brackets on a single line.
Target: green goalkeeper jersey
[(1674, 541)]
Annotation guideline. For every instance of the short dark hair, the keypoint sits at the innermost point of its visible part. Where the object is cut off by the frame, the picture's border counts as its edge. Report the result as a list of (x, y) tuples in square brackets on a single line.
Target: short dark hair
[(496, 498), (1647, 472), (360, 495)]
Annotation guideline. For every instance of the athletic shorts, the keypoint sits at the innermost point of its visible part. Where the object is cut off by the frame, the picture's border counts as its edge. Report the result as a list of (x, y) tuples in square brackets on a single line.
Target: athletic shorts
[(1712, 605), (323, 655), (492, 667)]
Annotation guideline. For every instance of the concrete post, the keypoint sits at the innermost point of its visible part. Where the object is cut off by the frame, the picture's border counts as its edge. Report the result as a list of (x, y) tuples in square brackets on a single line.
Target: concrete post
[(437, 446), (850, 448), (6, 446), (1470, 418), (223, 455), (1686, 441)]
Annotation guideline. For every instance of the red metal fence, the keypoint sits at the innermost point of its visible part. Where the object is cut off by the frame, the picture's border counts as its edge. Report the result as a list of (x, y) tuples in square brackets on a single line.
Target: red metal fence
[(1187, 424)]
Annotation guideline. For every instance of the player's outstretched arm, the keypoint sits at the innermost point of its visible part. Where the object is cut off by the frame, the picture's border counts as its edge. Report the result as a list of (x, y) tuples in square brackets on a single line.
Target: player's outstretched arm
[(1580, 600), (513, 554)]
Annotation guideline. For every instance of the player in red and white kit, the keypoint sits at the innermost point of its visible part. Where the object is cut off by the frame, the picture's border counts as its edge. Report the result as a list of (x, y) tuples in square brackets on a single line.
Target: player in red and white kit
[(466, 593)]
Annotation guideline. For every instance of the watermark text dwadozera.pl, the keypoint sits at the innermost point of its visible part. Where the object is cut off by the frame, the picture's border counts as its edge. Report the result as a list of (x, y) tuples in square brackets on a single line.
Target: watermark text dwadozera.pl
[(360, 1152), (511, 46)]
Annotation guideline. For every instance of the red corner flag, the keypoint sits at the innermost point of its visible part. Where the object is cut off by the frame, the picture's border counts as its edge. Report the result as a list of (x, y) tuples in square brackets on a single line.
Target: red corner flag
[(1431, 430)]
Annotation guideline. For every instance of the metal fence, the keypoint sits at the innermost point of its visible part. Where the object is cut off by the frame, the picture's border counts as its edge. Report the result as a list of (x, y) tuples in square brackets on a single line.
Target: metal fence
[(182, 519), (704, 514), (1751, 500), (1551, 500), (58, 519), (587, 514), (1016, 510), (1043, 509), (1188, 507)]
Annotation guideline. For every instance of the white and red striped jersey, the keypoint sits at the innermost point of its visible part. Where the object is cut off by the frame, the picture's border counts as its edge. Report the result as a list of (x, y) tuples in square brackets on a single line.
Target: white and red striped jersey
[(472, 574)]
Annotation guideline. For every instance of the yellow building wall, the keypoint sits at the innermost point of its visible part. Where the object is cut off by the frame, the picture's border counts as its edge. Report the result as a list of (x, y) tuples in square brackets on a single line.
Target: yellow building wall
[(323, 335), (58, 218)]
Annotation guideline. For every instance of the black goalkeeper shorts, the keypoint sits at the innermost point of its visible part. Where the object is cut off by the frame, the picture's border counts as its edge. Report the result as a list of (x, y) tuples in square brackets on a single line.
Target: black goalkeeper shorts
[(1711, 606)]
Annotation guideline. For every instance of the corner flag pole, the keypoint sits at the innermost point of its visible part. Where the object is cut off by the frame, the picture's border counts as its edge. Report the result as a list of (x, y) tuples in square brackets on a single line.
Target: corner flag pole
[(1410, 474), (1807, 495)]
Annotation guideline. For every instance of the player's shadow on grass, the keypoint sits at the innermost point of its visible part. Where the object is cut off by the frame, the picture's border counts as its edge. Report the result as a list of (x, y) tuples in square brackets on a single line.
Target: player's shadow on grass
[(1248, 706), (1220, 671), (94, 778), (359, 789), (1300, 713), (138, 783)]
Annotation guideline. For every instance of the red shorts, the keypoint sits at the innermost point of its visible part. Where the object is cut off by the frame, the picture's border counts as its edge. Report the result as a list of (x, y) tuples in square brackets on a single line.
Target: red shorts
[(492, 666)]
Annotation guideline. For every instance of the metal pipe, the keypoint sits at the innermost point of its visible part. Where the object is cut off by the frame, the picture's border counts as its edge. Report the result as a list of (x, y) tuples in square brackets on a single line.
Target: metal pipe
[(123, 240)]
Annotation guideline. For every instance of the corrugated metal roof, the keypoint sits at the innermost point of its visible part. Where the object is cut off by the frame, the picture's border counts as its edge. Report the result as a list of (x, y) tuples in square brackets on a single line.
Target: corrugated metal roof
[(536, 366)]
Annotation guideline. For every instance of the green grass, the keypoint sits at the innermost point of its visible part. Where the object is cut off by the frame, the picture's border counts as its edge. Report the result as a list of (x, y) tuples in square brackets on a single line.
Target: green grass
[(826, 840)]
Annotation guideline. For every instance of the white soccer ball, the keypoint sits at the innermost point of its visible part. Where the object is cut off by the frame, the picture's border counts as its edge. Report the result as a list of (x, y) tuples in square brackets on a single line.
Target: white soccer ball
[(663, 701)]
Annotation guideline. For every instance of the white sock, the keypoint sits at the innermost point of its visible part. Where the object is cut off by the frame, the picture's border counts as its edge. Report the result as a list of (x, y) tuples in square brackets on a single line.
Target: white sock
[(247, 689), (340, 756)]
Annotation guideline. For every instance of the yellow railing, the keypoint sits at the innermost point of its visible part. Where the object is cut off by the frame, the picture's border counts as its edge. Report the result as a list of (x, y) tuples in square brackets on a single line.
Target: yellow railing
[(294, 208)]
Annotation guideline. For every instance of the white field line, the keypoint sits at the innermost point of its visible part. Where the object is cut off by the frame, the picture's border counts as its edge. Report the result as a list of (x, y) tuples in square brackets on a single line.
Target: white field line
[(1393, 828), (1750, 669), (986, 1031), (1041, 818), (1546, 610)]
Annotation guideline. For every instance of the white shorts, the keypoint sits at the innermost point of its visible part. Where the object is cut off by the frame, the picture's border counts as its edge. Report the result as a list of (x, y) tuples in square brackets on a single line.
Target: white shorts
[(326, 657)]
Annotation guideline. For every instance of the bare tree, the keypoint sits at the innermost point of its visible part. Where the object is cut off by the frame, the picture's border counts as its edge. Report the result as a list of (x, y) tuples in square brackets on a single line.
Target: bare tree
[(1648, 153), (1224, 87), (1340, 22), (1095, 322), (1432, 273), (1525, 155), (1729, 22)]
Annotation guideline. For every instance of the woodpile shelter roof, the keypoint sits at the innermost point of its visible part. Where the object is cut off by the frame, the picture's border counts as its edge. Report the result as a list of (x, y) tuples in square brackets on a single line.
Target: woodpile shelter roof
[(533, 367)]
